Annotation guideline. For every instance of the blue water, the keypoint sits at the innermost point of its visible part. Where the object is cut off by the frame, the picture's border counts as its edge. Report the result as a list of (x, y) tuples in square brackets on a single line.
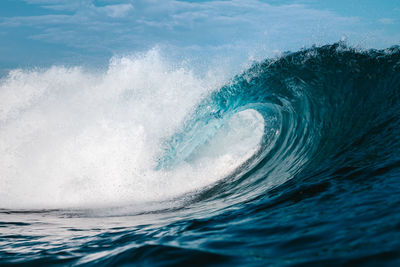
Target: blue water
[(323, 188)]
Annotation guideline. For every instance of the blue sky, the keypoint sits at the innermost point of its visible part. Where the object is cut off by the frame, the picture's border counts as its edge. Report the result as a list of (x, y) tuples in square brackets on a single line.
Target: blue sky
[(89, 32)]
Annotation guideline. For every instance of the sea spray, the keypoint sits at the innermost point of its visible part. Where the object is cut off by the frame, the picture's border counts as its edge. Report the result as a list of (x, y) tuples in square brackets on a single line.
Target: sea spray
[(74, 138)]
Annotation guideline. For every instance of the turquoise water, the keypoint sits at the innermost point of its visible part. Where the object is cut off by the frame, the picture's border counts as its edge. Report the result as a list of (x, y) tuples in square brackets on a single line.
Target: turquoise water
[(295, 161)]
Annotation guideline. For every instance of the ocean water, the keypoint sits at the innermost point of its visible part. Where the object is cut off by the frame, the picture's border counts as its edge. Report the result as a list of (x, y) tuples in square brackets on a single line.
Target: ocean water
[(293, 161)]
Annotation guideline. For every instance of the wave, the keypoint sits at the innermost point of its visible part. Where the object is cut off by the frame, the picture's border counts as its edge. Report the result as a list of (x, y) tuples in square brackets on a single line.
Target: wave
[(326, 110), (74, 138), (145, 131)]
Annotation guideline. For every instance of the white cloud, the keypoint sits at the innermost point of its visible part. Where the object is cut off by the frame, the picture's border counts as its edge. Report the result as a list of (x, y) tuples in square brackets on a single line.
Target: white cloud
[(60, 5), (123, 26), (117, 11), (387, 21)]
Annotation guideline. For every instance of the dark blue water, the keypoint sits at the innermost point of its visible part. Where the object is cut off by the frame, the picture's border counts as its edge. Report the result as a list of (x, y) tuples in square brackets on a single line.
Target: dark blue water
[(323, 189)]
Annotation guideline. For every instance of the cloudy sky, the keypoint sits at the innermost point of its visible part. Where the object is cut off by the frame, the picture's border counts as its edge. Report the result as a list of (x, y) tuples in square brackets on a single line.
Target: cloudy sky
[(89, 32)]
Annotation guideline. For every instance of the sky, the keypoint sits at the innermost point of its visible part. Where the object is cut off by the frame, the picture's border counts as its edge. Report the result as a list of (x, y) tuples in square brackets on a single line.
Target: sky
[(37, 33)]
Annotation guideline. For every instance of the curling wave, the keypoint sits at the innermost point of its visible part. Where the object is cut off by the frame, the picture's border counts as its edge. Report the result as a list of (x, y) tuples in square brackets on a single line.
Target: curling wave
[(293, 162), (147, 132), (321, 108)]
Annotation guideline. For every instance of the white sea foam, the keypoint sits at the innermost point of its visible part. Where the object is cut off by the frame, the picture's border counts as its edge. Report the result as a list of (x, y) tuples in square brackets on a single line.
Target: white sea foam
[(74, 138)]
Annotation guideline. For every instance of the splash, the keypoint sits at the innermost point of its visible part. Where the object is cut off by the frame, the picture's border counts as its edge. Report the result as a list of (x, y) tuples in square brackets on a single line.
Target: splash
[(74, 138)]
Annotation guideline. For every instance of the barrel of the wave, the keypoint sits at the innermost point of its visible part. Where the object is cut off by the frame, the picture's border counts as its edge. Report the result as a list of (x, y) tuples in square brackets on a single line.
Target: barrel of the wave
[(314, 103)]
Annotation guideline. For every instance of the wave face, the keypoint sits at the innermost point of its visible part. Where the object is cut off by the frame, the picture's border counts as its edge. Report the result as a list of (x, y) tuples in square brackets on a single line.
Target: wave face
[(321, 109), (294, 161)]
